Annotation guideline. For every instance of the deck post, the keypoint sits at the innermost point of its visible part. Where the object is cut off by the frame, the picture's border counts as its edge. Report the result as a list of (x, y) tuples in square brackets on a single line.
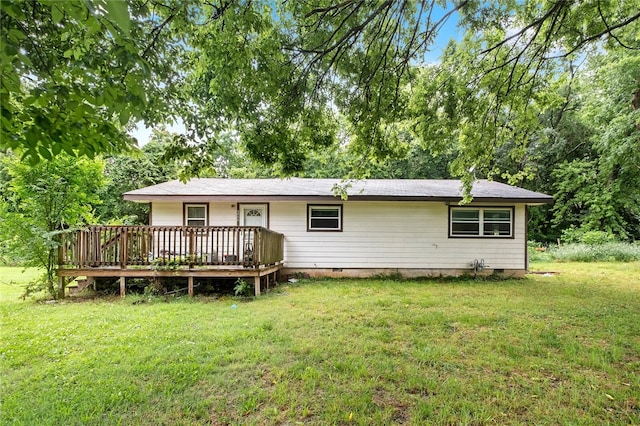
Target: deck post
[(82, 247), (256, 284), (61, 286), (190, 285), (123, 286)]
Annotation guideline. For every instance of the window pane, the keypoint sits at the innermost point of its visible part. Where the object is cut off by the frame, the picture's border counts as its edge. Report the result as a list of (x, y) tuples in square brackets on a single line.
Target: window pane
[(324, 224), (461, 228), (497, 229), (324, 213), (465, 215), (195, 211), (195, 222), (465, 222), (325, 218), (497, 215)]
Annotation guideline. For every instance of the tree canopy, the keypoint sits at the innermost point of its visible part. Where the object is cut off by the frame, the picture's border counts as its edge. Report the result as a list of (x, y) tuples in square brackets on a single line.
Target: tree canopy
[(280, 74)]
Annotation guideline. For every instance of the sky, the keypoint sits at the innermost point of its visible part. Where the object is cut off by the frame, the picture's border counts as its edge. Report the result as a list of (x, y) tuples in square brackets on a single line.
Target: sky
[(448, 31)]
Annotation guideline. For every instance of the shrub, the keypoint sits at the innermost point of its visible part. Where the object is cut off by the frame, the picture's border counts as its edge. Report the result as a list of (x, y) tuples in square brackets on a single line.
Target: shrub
[(538, 252), (242, 288), (579, 235)]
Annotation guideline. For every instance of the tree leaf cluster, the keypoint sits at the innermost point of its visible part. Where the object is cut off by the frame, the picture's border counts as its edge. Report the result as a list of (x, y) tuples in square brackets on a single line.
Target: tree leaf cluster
[(76, 73)]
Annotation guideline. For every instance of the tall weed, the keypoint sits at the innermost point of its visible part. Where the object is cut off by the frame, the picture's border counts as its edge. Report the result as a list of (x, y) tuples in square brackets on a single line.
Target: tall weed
[(580, 252)]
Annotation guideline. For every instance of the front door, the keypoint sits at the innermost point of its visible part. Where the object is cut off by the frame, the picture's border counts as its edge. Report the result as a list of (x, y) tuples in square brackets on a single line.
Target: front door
[(253, 215)]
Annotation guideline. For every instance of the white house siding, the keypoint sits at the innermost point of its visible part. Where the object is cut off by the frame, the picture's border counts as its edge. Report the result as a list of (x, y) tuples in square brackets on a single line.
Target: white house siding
[(166, 214), (391, 235), (223, 214), (171, 214), (376, 235)]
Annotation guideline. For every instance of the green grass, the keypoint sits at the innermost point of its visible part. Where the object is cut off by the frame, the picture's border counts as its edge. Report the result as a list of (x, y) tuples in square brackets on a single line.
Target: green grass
[(550, 349)]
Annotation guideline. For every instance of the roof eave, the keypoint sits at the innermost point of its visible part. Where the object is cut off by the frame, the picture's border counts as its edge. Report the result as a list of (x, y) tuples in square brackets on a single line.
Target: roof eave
[(327, 198)]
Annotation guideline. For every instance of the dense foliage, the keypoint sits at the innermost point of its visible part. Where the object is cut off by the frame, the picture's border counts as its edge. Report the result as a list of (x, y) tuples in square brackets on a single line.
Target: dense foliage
[(76, 73), (127, 172), (38, 203)]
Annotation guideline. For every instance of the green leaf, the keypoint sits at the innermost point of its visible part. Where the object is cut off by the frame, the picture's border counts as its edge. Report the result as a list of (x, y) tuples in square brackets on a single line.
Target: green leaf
[(119, 14), (125, 114), (45, 153), (56, 14), (16, 35)]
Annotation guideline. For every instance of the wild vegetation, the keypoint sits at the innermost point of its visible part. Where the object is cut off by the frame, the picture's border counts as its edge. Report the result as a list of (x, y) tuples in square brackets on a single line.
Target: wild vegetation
[(560, 346), (581, 252)]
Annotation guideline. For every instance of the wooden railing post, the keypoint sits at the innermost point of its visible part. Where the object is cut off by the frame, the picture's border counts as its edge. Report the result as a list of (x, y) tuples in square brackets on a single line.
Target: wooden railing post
[(192, 247), (62, 249), (81, 247), (257, 246), (236, 237), (123, 247)]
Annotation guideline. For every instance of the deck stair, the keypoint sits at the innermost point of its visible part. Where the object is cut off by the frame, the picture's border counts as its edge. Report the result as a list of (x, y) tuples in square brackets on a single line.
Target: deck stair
[(78, 285)]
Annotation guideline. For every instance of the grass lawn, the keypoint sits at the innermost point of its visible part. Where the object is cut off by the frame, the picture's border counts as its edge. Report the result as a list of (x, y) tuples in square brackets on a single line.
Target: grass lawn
[(549, 349)]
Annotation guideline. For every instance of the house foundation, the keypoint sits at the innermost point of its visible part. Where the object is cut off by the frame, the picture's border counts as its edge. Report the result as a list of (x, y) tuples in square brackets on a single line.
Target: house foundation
[(398, 272)]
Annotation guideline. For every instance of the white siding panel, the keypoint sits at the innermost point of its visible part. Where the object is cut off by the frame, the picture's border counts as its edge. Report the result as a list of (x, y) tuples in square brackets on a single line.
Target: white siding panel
[(223, 214), (171, 214), (166, 214)]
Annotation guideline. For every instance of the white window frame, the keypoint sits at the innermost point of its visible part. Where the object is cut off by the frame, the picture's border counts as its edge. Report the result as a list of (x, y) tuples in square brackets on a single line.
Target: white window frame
[(188, 219), (482, 221), (316, 207)]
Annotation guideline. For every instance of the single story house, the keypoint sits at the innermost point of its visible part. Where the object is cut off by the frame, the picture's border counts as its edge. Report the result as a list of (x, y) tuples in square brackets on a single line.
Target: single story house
[(387, 226)]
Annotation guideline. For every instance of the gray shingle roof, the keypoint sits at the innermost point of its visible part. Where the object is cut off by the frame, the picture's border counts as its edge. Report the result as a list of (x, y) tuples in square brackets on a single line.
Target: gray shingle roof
[(210, 189)]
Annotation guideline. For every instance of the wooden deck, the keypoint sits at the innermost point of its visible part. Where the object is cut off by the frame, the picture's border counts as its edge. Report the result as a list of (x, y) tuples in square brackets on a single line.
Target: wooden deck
[(170, 251)]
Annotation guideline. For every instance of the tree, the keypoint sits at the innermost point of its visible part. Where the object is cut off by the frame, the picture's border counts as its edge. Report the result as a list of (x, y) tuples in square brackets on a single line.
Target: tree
[(601, 192), (39, 203), (295, 64), (282, 74), (76, 73), (127, 172), (584, 150)]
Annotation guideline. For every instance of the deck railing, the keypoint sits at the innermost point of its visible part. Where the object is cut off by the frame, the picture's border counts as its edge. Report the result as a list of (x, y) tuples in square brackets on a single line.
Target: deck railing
[(125, 246)]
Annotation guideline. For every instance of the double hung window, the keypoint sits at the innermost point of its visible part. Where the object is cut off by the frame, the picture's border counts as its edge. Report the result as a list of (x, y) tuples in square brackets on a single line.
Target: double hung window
[(481, 222), (324, 218), (195, 214)]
